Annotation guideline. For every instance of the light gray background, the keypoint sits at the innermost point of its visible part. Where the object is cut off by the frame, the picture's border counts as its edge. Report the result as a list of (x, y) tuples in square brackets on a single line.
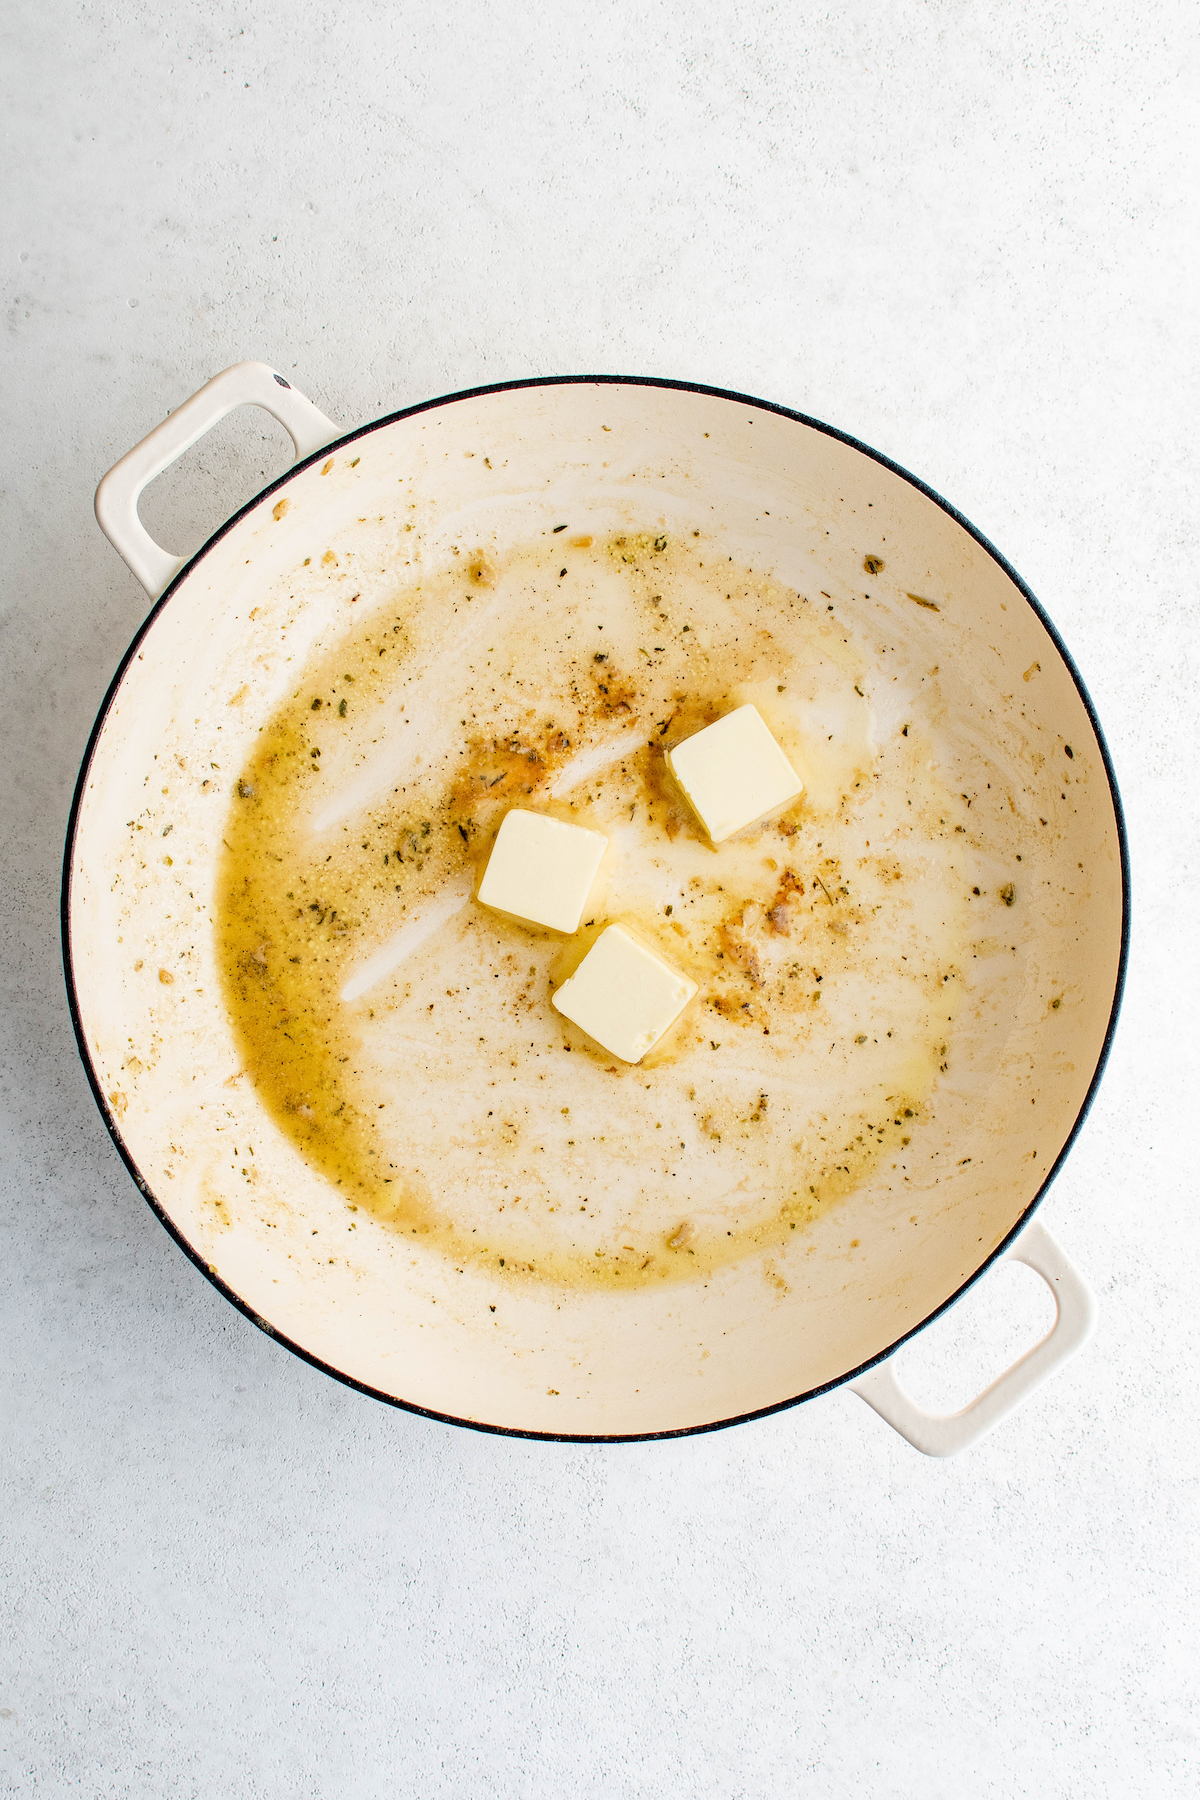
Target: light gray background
[(962, 232)]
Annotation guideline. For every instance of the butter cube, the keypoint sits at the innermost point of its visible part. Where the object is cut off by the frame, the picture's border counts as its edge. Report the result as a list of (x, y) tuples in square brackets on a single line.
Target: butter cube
[(623, 995), (733, 773), (542, 870)]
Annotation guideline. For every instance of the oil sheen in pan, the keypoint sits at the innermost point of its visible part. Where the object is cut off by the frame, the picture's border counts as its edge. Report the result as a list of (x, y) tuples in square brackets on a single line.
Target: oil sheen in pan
[(402, 1036)]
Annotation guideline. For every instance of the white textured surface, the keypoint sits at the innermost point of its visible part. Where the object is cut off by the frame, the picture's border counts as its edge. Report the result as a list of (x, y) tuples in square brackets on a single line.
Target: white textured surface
[(963, 232)]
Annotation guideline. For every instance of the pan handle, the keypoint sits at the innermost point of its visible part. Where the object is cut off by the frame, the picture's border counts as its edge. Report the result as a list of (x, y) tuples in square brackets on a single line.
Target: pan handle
[(946, 1434), (246, 384)]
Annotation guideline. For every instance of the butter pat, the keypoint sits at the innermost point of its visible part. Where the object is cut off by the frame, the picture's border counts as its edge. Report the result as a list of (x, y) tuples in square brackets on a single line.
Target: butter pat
[(623, 995), (733, 773), (542, 870)]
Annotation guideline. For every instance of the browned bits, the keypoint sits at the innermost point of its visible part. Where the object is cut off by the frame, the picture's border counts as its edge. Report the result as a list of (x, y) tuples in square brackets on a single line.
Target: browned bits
[(614, 695), (166, 977), (500, 769), (780, 913), (481, 569), (872, 564), (739, 947)]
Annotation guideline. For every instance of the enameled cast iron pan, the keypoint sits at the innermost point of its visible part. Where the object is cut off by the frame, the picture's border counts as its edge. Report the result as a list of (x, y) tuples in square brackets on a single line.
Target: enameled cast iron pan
[(809, 503)]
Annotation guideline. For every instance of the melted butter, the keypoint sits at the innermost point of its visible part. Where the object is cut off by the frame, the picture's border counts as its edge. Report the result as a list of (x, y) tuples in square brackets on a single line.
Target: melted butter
[(448, 1098)]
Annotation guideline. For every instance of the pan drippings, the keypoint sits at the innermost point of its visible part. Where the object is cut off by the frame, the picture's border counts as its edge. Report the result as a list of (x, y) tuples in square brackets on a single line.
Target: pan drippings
[(403, 1037)]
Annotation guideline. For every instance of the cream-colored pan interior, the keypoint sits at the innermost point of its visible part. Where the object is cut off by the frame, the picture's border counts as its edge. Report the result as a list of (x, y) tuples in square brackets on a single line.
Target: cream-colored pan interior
[(472, 1344)]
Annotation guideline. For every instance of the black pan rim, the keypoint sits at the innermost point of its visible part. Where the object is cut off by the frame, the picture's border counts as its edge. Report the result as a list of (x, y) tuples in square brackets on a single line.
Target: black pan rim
[(354, 436)]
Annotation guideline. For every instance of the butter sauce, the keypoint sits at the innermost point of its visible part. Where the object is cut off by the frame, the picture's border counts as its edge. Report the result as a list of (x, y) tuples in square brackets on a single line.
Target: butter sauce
[(403, 1037)]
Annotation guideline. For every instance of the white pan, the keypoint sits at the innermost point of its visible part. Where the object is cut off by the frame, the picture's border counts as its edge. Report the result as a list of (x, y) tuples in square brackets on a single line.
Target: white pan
[(470, 1345)]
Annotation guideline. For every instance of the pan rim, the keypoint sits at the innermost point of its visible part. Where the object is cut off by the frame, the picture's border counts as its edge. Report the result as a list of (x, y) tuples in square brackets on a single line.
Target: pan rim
[(354, 436)]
